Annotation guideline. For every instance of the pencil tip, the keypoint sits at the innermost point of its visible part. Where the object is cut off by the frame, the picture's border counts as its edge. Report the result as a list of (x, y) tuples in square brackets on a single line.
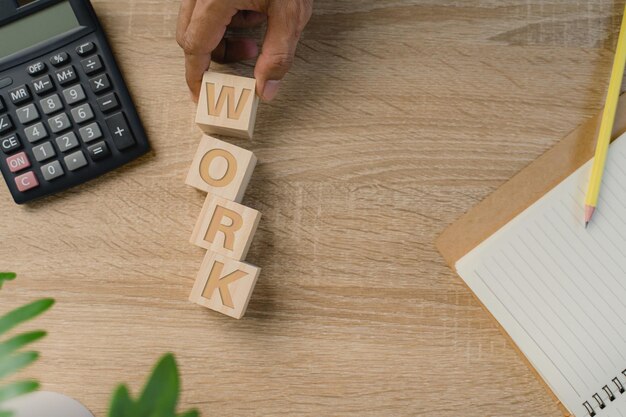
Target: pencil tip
[(589, 210)]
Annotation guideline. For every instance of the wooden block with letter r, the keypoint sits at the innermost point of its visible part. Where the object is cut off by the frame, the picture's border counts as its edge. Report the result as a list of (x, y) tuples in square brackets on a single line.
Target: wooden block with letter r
[(224, 285), (225, 227), (227, 105), (221, 168)]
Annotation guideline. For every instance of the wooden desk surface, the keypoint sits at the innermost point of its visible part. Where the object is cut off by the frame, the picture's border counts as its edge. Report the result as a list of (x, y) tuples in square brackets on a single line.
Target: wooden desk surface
[(397, 118)]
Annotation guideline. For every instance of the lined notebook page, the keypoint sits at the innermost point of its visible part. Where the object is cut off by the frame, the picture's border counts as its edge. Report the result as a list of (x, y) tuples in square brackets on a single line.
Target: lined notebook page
[(559, 289)]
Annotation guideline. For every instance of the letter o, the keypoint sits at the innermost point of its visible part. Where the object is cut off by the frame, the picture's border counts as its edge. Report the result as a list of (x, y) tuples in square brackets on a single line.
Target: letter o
[(231, 167)]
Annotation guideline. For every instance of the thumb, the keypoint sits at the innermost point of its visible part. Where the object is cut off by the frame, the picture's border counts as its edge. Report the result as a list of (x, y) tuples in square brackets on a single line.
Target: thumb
[(285, 23)]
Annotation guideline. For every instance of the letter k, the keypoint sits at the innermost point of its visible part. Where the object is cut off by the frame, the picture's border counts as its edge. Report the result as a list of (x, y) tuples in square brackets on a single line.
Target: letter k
[(217, 281)]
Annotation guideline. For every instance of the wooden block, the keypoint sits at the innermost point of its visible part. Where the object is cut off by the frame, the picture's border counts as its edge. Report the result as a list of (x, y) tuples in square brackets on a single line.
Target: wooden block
[(225, 227), (224, 285), (221, 168), (227, 105)]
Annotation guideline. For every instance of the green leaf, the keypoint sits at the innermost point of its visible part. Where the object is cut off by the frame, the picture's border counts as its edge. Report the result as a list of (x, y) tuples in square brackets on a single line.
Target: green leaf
[(5, 414), (16, 389), (121, 404), (6, 276), (13, 363), (190, 413), (9, 346), (25, 313), (160, 394)]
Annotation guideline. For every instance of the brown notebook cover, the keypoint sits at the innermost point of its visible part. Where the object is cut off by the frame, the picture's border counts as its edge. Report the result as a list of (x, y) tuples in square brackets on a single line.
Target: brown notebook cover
[(520, 192)]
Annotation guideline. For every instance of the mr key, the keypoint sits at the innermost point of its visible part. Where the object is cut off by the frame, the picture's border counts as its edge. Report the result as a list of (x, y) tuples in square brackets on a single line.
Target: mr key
[(65, 112)]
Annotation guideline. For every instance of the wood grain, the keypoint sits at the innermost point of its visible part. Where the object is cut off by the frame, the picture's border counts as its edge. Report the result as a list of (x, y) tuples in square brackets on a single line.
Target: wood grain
[(397, 117)]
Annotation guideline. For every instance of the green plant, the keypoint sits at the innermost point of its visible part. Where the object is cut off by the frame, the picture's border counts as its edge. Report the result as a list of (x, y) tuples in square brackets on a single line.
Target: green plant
[(159, 397), (6, 276), (12, 356)]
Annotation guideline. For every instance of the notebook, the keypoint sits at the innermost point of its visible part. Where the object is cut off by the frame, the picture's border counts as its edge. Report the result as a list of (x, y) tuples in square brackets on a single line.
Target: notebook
[(559, 290)]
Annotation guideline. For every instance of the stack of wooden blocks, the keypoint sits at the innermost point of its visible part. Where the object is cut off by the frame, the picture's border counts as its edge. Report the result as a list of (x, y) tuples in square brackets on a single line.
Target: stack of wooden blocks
[(227, 106)]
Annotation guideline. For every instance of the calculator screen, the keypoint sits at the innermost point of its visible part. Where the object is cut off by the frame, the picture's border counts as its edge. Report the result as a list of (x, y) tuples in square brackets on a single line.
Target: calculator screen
[(36, 28)]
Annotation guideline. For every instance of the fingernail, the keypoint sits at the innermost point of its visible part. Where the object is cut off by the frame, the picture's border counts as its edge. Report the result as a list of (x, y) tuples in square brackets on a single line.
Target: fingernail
[(271, 89)]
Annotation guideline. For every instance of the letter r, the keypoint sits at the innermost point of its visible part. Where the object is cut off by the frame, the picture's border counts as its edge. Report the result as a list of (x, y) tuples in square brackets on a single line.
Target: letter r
[(217, 225)]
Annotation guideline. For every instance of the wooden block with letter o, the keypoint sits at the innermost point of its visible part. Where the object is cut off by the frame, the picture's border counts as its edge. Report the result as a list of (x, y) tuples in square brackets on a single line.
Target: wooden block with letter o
[(227, 105), (225, 227), (221, 168), (224, 285)]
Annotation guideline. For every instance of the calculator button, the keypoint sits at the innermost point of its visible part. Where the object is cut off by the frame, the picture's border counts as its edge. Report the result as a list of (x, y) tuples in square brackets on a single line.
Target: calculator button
[(51, 104), (27, 114), (108, 103), (52, 170), (92, 65), (75, 161), (43, 85), (120, 132), (90, 132), (2, 106), (20, 95), (59, 123), (5, 82), (36, 132), (43, 151), (82, 114), (5, 123), (10, 143), (18, 162), (26, 181), (36, 68), (59, 59), (74, 94), (98, 151), (100, 83), (66, 75), (67, 142), (85, 48)]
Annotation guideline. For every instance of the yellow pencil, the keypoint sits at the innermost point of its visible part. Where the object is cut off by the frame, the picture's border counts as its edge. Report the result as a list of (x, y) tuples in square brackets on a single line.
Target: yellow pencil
[(606, 127)]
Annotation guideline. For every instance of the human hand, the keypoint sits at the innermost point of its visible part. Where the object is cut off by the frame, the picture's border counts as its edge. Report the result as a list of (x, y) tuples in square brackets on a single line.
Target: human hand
[(202, 25)]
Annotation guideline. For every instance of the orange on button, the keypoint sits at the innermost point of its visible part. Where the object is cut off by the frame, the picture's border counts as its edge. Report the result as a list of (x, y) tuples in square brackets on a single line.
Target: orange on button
[(18, 162)]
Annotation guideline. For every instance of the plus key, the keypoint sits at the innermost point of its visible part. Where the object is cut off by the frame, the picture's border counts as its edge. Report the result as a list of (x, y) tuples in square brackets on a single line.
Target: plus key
[(120, 132)]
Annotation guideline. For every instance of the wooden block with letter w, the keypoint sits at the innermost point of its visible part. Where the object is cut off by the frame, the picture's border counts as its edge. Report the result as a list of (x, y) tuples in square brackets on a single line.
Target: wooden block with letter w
[(227, 105)]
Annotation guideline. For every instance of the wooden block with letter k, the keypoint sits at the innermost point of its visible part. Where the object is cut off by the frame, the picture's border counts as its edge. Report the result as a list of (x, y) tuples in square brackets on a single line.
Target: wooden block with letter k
[(227, 105), (224, 285)]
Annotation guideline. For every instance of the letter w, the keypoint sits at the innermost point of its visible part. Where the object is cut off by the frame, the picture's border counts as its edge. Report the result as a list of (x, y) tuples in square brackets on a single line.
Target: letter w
[(227, 94)]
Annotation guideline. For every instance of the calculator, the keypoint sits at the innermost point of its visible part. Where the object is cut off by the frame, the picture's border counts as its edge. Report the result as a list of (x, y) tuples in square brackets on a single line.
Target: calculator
[(66, 115)]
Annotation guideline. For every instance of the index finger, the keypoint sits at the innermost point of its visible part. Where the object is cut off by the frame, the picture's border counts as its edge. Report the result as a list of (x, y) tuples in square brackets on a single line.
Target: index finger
[(207, 22), (195, 67)]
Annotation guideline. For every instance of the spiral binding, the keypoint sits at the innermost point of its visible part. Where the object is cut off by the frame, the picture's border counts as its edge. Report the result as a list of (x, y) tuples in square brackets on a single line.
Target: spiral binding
[(596, 404)]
